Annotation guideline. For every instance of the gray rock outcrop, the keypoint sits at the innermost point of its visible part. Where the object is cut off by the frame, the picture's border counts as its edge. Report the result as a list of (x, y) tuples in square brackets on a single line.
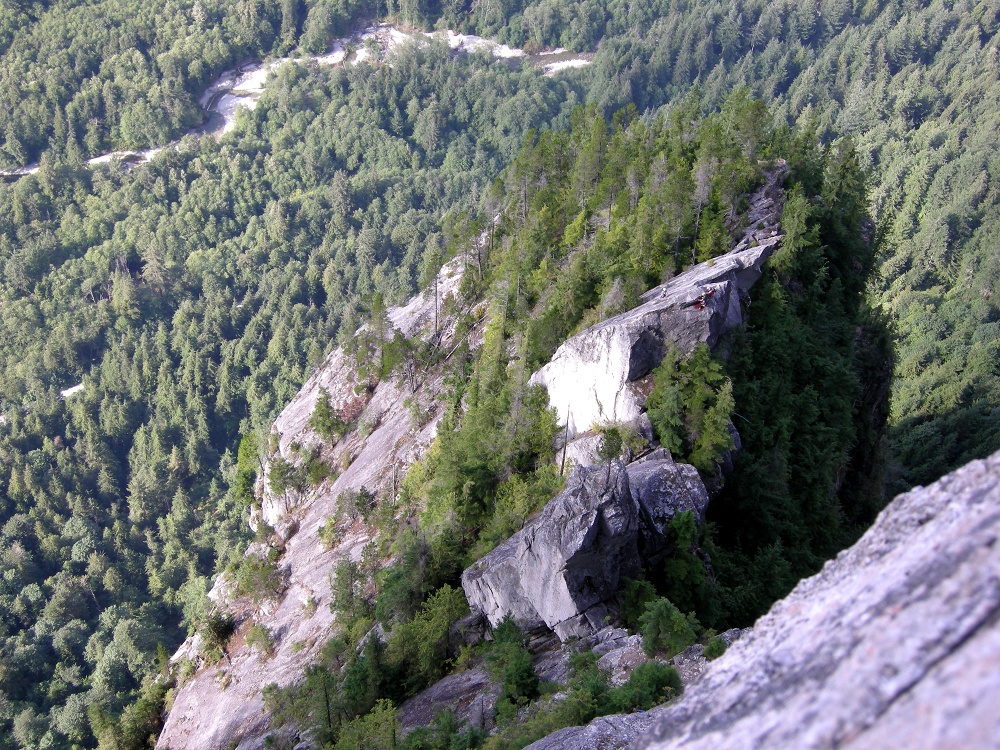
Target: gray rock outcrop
[(471, 694), (567, 560), (893, 644), (613, 732), (570, 558), (590, 377), (662, 488)]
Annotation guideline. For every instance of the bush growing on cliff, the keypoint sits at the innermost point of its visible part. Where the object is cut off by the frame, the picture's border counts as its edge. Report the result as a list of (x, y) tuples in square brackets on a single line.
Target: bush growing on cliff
[(422, 648), (260, 638), (649, 685), (445, 733), (666, 629), (215, 632), (715, 648), (378, 729), (257, 579), (510, 664), (325, 420), (690, 406), (635, 594), (686, 579), (588, 696)]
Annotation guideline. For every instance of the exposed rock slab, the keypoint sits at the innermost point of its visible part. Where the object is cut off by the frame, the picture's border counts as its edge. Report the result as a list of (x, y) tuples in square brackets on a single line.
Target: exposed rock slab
[(893, 644), (221, 707), (614, 732), (471, 694), (691, 662), (589, 376)]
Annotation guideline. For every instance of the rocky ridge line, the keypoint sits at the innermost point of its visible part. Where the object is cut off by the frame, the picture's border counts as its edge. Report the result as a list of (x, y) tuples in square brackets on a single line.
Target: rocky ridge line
[(893, 644), (591, 378)]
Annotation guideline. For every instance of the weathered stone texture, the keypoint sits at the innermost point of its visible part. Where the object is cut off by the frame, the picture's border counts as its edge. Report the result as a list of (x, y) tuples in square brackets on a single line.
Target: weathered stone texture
[(471, 694), (895, 643), (568, 559), (571, 557)]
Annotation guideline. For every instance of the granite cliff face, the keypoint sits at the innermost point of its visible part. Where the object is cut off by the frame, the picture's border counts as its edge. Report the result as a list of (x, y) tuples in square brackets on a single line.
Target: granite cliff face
[(893, 644), (559, 571), (221, 705), (591, 377)]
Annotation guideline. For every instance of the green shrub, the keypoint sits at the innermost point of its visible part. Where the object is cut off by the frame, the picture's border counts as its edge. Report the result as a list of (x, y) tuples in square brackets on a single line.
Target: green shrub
[(376, 730), (247, 466), (259, 637), (325, 420), (690, 405), (635, 595), (665, 628), (328, 533), (715, 648), (446, 733), (257, 579), (215, 632), (509, 662), (649, 685), (422, 647)]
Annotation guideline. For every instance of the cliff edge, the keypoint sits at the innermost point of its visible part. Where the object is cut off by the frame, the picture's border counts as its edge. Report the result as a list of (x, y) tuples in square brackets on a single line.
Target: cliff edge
[(893, 644)]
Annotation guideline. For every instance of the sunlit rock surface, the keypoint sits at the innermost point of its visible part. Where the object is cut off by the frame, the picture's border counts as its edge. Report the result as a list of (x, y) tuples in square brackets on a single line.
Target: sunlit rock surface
[(221, 706)]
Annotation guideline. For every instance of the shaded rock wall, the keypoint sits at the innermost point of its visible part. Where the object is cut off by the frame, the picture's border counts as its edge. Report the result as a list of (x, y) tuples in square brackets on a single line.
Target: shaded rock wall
[(895, 643), (571, 557), (568, 559)]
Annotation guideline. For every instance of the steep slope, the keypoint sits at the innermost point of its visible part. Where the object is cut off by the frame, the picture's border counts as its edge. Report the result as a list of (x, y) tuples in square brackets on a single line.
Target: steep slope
[(591, 378), (221, 706), (893, 644)]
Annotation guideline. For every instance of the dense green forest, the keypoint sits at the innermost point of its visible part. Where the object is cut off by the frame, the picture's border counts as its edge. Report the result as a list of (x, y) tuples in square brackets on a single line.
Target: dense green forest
[(916, 85), (193, 295)]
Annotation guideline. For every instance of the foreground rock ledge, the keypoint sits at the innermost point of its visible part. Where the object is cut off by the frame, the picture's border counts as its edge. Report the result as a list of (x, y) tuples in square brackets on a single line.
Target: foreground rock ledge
[(895, 643)]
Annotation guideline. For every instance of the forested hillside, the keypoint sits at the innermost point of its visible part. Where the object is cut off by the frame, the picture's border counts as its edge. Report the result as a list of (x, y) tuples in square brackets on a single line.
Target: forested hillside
[(192, 296), (86, 78), (588, 219)]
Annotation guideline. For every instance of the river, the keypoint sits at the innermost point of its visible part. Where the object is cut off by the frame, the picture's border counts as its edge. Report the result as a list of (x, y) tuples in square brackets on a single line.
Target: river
[(243, 86)]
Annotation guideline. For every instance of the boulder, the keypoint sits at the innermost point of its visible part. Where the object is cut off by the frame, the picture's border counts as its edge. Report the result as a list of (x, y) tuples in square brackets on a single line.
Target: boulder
[(569, 560), (893, 644), (619, 663), (662, 488), (471, 694)]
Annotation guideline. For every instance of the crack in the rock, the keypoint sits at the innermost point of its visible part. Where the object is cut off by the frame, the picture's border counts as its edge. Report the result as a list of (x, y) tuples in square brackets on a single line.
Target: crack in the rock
[(990, 618)]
